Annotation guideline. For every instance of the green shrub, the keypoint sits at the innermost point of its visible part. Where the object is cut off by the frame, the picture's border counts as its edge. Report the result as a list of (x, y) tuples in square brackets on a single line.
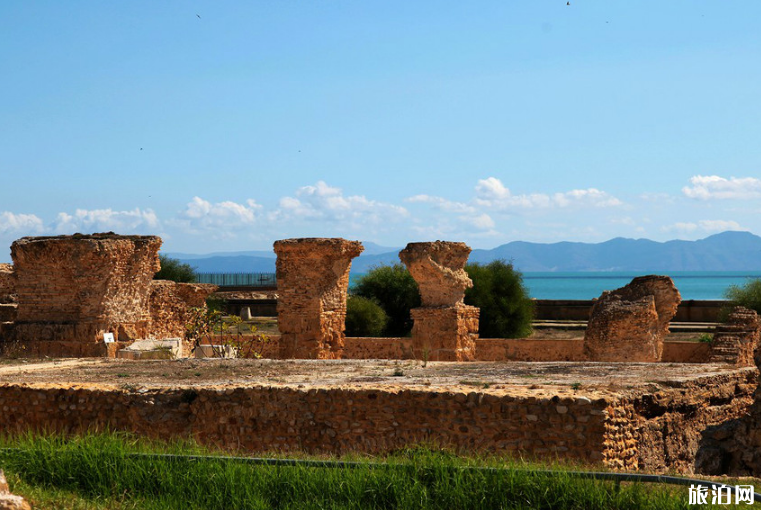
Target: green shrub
[(747, 295), (174, 270), (364, 317), (498, 290), (394, 289)]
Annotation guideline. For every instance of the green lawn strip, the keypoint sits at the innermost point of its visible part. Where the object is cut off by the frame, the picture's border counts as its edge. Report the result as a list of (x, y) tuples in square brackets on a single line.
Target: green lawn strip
[(103, 468)]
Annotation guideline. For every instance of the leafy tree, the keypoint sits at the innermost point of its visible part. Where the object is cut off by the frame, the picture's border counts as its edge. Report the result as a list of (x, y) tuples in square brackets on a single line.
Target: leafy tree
[(173, 269), (394, 289), (364, 317), (747, 295), (498, 290)]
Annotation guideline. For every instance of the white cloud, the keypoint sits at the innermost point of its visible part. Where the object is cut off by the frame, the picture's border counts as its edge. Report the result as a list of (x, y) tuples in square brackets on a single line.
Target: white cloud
[(492, 194), (99, 220), (481, 222), (442, 203), (20, 223), (704, 225), (324, 202), (719, 225), (707, 187), (591, 197), (200, 214), (492, 188)]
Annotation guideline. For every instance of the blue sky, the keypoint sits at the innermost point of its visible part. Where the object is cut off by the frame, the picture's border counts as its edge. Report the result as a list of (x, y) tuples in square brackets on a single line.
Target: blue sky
[(224, 126)]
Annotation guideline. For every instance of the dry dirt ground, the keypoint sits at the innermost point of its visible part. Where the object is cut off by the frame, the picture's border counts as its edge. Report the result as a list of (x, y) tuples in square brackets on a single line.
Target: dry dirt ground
[(495, 377)]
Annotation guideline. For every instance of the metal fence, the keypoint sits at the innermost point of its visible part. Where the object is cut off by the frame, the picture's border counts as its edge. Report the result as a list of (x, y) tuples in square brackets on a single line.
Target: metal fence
[(238, 279)]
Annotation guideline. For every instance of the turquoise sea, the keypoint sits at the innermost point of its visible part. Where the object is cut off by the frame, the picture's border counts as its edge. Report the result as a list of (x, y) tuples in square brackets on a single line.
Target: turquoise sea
[(691, 285), (589, 285)]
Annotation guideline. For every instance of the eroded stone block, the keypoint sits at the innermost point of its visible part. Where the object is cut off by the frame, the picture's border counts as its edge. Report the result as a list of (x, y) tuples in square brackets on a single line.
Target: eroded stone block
[(630, 323), (313, 282), (439, 270)]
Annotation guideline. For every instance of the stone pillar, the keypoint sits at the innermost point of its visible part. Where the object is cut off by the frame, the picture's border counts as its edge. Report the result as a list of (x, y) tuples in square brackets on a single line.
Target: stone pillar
[(445, 328), (736, 340), (312, 285), (630, 323), (73, 289)]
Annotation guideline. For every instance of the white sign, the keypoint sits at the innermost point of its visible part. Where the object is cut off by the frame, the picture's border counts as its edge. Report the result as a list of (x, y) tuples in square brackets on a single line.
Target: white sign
[(108, 338)]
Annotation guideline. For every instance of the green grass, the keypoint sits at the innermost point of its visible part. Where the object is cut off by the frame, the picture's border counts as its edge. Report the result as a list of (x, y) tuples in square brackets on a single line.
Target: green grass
[(99, 471)]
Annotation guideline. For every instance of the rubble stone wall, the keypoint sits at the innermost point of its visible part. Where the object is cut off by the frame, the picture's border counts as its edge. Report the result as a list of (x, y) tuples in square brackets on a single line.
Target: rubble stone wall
[(72, 289), (321, 420), (313, 283), (170, 306), (655, 431)]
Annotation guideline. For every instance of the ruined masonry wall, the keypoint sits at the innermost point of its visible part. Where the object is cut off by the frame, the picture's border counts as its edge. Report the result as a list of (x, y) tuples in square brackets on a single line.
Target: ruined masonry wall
[(72, 289), (313, 283), (7, 284), (170, 305)]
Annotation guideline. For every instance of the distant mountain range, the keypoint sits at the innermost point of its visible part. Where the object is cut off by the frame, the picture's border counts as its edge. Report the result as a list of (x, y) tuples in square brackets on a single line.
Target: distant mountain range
[(728, 251)]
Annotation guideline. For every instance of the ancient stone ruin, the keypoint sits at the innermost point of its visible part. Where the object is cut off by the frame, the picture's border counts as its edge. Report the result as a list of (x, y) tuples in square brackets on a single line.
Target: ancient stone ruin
[(313, 282), (445, 328), (7, 284), (73, 289), (630, 323), (7, 296), (734, 447), (736, 340), (171, 307)]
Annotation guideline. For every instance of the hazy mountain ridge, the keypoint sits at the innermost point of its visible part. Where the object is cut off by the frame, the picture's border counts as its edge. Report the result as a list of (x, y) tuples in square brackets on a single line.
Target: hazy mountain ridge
[(728, 251)]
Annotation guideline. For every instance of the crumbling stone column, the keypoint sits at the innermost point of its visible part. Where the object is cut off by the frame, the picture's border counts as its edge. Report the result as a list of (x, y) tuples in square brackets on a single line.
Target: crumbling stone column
[(735, 340), (73, 289), (445, 328), (630, 323), (312, 285)]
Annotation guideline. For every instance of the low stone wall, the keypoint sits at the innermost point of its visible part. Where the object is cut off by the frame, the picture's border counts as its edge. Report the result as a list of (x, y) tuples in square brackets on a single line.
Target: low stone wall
[(654, 431), (690, 310), (321, 420), (515, 349)]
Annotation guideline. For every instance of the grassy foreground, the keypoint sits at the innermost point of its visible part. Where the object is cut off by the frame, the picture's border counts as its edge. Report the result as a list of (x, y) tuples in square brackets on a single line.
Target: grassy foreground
[(100, 471)]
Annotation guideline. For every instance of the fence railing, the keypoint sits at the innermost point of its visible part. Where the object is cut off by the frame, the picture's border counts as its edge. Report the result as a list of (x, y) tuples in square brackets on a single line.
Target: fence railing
[(238, 279)]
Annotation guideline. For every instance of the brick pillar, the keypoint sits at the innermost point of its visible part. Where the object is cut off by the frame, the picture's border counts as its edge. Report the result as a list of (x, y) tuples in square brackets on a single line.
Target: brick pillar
[(72, 289), (445, 328), (312, 285)]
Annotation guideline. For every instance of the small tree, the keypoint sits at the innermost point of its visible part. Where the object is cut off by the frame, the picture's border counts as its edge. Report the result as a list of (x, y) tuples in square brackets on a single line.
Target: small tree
[(396, 291), (747, 295), (364, 317), (498, 290), (174, 270)]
